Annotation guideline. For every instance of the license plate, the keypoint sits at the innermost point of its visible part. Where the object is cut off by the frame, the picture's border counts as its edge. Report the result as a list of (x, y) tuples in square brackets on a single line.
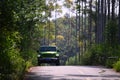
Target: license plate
[(47, 59)]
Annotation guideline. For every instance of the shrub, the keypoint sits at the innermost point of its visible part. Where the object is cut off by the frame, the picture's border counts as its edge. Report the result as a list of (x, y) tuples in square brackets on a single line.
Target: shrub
[(94, 56), (73, 60), (116, 66)]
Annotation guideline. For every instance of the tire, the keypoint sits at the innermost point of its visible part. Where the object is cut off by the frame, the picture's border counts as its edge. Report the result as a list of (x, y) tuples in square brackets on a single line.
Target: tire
[(39, 63), (57, 63)]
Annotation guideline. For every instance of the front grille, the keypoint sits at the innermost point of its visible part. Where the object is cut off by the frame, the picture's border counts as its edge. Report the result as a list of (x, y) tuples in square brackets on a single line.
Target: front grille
[(48, 55)]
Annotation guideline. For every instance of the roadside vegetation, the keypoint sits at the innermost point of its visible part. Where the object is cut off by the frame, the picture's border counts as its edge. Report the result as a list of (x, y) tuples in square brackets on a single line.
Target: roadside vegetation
[(19, 33)]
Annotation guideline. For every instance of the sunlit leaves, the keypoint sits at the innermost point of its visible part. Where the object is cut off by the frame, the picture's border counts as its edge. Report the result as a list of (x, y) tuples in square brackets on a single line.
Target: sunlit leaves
[(60, 37)]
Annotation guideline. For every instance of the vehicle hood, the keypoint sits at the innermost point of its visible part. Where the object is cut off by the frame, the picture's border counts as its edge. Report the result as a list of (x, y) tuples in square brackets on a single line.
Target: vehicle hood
[(48, 52)]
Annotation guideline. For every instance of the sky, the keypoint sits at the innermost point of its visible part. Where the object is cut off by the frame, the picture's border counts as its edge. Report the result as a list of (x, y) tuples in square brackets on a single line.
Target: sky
[(64, 11)]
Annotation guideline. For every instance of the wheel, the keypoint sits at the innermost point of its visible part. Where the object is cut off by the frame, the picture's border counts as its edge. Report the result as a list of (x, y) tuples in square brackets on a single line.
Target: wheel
[(39, 63), (57, 62)]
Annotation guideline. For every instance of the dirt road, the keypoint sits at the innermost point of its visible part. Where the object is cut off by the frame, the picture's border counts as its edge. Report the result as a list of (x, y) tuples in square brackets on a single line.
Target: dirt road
[(71, 73)]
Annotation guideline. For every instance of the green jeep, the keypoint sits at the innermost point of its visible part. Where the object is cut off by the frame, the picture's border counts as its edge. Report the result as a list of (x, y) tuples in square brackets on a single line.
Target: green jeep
[(48, 54)]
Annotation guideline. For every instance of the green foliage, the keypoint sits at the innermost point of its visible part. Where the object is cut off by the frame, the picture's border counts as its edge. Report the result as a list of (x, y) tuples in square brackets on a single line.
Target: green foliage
[(19, 33), (101, 54), (106, 53), (94, 56), (72, 61), (111, 34), (116, 66), (10, 60)]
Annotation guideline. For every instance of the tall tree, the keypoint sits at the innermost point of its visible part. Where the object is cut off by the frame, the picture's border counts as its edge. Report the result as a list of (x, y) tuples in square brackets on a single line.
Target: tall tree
[(113, 9), (108, 3), (119, 24), (90, 23)]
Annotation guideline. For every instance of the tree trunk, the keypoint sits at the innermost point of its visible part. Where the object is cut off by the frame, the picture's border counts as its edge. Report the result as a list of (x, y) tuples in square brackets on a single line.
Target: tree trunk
[(85, 26), (97, 22), (108, 9), (79, 30), (119, 23), (90, 23), (113, 9)]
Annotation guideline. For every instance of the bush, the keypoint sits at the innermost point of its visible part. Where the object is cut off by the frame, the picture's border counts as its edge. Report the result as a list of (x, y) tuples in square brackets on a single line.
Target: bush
[(73, 60), (116, 66), (94, 56), (100, 54), (110, 62)]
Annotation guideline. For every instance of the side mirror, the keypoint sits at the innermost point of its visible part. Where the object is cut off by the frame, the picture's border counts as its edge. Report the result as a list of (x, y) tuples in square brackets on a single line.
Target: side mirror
[(58, 50), (37, 51)]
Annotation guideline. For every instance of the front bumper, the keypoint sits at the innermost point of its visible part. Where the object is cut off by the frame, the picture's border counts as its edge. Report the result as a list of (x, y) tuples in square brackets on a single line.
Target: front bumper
[(48, 60)]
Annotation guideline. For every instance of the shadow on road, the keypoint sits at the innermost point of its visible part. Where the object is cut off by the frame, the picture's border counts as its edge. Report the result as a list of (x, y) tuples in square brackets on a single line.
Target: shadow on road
[(36, 76), (112, 76), (71, 73)]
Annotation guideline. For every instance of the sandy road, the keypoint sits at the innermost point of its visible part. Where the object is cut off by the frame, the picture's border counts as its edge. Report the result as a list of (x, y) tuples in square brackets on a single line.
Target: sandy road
[(71, 73)]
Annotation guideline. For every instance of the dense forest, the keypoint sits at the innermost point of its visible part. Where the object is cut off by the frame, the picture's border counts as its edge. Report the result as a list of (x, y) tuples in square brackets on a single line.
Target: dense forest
[(20, 30), (89, 37), (97, 33)]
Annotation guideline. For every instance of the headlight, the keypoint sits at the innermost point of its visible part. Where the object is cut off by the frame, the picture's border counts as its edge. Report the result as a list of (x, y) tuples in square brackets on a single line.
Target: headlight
[(57, 54), (39, 55)]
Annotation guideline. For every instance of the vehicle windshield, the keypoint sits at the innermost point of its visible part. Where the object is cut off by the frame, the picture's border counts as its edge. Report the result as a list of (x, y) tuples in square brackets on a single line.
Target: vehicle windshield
[(42, 49)]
